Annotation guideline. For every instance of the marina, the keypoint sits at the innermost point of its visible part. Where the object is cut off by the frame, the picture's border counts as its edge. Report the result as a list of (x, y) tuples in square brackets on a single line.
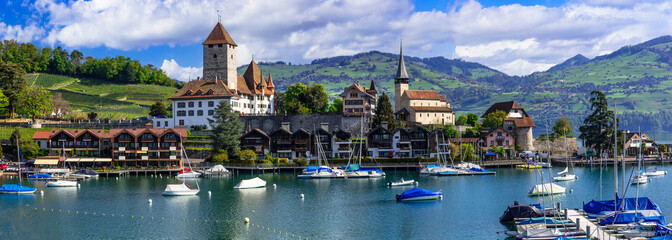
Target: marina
[(470, 206)]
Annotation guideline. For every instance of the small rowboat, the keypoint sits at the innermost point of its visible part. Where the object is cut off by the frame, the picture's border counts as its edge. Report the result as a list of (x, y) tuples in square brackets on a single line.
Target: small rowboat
[(401, 182)]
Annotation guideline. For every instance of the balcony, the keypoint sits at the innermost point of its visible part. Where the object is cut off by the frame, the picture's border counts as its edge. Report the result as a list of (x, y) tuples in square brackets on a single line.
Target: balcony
[(144, 157), (146, 139), (144, 148), (285, 141), (122, 149), (122, 157), (173, 148), (173, 157), (500, 137), (124, 140)]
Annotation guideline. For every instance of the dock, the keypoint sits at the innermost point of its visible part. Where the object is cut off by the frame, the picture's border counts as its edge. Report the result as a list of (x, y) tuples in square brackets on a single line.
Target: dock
[(592, 229)]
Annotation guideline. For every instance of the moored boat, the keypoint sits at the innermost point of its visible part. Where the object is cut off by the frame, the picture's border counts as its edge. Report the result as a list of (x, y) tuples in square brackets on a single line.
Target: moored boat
[(40, 175), (401, 182), (61, 183), (418, 194), (546, 189), (17, 188), (179, 190), (251, 183), (187, 173), (86, 173)]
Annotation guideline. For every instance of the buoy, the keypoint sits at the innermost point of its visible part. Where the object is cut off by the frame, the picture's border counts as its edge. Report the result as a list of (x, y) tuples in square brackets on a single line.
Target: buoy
[(274, 186), (571, 190), (41, 192), (209, 193), (246, 220), (150, 201), (78, 185), (302, 195), (649, 180), (252, 210)]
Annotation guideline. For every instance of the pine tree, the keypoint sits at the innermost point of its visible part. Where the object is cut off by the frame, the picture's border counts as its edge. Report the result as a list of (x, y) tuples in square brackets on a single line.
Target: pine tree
[(226, 129), (158, 109), (384, 112)]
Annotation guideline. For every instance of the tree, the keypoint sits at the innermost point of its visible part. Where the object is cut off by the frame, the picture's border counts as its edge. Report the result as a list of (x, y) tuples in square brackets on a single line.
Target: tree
[(384, 113), (12, 83), (336, 106), (34, 101), (290, 100), (450, 131), (92, 115), (226, 129), (562, 127), (461, 120), (663, 148), (4, 102), (472, 119), (76, 60), (494, 119), (157, 109), (597, 131), (316, 98), (247, 156), (59, 103)]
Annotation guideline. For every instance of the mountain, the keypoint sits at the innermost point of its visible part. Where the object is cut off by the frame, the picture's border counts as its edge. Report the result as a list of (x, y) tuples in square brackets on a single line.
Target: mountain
[(638, 76)]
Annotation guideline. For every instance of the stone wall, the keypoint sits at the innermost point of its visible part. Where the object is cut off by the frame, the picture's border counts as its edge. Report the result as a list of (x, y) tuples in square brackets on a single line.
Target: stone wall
[(270, 124), (557, 146), (525, 139), (80, 125)]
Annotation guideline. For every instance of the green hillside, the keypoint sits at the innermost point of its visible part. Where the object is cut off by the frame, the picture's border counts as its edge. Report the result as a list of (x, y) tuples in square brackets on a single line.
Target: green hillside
[(113, 101)]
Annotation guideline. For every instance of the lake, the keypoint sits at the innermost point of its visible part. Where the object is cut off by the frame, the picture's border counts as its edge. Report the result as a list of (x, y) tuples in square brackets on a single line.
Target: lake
[(331, 209)]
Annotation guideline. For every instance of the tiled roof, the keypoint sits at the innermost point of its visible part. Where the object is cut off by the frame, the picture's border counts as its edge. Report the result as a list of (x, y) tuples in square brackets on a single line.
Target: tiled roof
[(505, 107), (424, 95), (358, 88), (158, 132), (256, 130), (219, 89), (431, 109), (522, 122), (219, 35), (252, 80), (41, 135)]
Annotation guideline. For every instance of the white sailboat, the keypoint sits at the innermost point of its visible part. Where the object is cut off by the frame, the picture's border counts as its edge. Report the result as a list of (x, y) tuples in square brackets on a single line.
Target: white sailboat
[(546, 189), (321, 171), (440, 168), (251, 183), (564, 175), (640, 177), (356, 170), (62, 183), (181, 189)]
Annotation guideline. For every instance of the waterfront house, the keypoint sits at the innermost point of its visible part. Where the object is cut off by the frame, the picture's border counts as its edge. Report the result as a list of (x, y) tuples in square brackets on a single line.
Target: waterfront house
[(281, 144), (636, 140), (358, 100), (401, 143), (342, 144), (379, 142), (419, 141), (322, 138), (516, 122), (257, 141), (301, 140)]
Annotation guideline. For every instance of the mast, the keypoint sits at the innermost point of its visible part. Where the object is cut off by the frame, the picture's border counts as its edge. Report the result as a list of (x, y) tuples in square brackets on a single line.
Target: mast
[(615, 158), (18, 156)]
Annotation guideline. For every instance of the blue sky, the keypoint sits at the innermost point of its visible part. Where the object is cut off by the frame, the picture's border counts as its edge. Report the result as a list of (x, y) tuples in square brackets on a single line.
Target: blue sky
[(516, 37)]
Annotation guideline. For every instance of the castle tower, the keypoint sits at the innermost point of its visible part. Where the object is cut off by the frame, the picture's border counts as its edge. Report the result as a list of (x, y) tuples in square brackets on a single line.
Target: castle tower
[(219, 57), (400, 81)]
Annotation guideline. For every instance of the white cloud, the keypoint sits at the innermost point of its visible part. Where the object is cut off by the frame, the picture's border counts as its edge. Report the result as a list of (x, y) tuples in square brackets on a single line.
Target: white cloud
[(175, 71), (20, 33), (514, 38)]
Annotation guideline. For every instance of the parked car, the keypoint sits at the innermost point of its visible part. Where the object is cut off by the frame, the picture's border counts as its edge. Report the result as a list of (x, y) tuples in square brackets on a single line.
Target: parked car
[(161, 117), (145, 118)]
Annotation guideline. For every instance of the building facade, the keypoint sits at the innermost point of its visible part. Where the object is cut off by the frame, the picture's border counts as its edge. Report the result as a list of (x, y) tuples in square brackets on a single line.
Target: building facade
[(358, 100), (196, 101), (419, 106), (516, 122)]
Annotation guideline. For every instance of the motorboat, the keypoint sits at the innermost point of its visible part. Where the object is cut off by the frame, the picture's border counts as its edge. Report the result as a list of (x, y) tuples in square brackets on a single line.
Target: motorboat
[(251, 183), (434, 169), (187, 173), (418, 194), (401, 182), (449, 172), (639, 179), (655, 172), (639, 230), (86, 173), (546, 189), (217, 170), (61, 183), (179, 190), (549, 233), (357, 171), (565, 176), (40, 176), (321, 172)]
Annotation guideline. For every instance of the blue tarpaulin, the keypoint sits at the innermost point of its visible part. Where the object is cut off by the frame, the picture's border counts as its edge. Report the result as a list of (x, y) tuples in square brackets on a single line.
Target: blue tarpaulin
[(625, 218), (663, 232), (490, 154), (628, 204), (15, 188), (546, 220), (417, 192), (40, 175)]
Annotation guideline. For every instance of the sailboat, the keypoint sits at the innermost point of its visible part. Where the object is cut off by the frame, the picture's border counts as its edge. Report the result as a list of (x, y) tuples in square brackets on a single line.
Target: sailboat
[(545, 189), (564, 175), (356, 170), (320, 171), (440, 168), (181, 189), (640, 177), (17, 188)]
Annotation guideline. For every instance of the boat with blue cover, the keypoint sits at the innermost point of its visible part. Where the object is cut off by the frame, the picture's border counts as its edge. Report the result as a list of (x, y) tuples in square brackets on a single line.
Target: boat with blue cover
[(17, 188), (357, 171), (40, 175), (419, 194)]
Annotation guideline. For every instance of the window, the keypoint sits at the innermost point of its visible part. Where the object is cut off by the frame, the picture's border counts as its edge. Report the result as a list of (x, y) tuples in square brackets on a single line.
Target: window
[(499, 134), (231, 56), (180, 105), (507, 143), (210, 46), (200, 104), (181, 113), (211, 103), (158, 123), (492, 142), (165, 124), (199, 113), (191, 104), (181, 122), (210, 112), (219, 45), (214, 56), (191, 113)]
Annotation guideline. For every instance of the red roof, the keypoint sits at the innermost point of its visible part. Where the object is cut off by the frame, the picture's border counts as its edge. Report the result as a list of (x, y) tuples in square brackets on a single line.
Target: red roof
[(191, 89), (505, 107), (219, 35), (359, 88), (41, 135), (424, 95), (431, 109), (522, 122)]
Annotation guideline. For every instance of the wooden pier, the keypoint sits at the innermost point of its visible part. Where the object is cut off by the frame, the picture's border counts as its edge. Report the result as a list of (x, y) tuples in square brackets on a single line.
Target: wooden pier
[(582, 222)]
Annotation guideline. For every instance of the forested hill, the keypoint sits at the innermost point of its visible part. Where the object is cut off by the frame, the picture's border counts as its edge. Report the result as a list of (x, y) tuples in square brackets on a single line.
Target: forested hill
[(120, 70), (638, 76)]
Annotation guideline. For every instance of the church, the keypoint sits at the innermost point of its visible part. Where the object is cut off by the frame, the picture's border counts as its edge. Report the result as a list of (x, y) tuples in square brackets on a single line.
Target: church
[(196, 101), (425, 107)]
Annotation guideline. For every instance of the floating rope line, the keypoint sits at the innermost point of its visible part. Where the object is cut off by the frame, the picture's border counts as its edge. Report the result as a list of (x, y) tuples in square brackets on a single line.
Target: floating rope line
[(216, 221)]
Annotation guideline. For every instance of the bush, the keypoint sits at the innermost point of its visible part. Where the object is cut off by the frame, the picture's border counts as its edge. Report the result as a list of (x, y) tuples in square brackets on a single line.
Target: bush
[(247, 155), (247, 162), (283, 160), (221, 156), (300, 161)]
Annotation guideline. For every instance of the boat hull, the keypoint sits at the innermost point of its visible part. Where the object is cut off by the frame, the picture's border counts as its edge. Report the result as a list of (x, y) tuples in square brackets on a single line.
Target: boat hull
[(19, 192), (423, 198), (180, 193), (62, 184), (656, 173), (404, 183), (565, 178)]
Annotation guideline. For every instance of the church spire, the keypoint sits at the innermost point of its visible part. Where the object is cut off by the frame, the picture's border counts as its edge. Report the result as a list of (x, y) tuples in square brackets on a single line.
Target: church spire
[(401, 69)]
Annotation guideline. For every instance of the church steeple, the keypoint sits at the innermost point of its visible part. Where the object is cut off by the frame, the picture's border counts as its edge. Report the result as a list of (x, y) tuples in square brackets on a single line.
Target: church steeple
[(401, 68)]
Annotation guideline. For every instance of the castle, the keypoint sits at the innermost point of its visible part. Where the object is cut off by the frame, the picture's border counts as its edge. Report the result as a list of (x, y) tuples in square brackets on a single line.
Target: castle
[(196, 101)]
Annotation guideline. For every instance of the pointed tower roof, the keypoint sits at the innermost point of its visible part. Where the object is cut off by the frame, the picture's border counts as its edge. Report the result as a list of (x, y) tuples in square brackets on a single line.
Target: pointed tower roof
[(270, 81), (401, 69), (373, 85), (219, 36), (253, 76)]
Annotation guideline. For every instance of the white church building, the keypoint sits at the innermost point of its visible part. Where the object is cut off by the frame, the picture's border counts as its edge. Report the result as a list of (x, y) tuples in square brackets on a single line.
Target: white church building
[(195, 103)]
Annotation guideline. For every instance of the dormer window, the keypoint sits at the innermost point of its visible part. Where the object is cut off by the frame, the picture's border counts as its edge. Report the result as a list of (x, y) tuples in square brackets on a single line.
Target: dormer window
[(199, 93), (210, 92), (188, 93)]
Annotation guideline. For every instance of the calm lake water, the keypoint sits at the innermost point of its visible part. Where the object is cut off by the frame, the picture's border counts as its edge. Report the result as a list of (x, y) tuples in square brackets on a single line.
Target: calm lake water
[(331, 209)]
